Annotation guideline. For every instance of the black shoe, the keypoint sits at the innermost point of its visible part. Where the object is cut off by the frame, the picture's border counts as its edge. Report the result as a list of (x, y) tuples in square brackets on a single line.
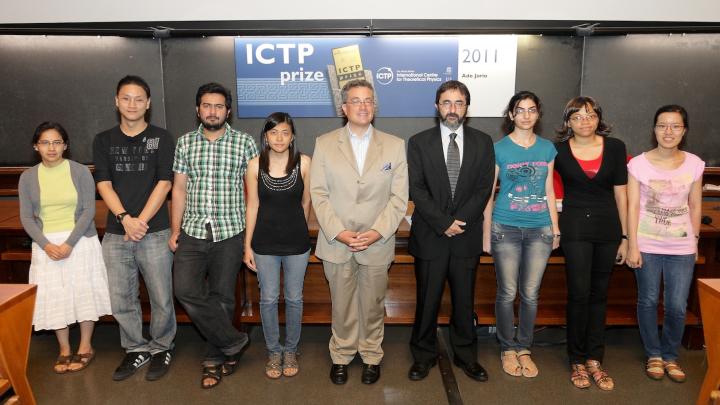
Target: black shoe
[(159, 365), (370, 373), (420, 370), (231, 362), (338, 373), (130, 364), (473, 370)]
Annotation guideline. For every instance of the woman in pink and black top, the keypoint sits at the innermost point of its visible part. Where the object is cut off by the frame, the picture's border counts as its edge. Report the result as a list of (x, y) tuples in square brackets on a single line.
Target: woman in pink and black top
[(665, 199), (594, 174)]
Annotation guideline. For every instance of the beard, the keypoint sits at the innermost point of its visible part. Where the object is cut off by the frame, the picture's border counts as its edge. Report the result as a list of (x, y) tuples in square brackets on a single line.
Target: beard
[(454, 124), (220, 123)]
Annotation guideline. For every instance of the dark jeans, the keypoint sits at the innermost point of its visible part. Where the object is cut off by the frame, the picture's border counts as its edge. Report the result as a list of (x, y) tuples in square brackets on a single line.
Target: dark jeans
[(588, 267), (205, 278)]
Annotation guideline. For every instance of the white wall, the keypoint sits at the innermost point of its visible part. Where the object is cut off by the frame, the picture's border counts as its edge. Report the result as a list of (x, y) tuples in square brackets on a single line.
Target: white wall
[(63, 11)]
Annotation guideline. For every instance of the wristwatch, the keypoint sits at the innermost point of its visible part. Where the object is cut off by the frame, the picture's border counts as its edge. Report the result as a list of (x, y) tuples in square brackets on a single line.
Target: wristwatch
[(119, 217)]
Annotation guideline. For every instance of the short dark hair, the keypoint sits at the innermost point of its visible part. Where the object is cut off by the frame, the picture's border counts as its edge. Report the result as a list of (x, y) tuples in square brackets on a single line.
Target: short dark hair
[(353, 84), (672, 108), (214, 88), (47, 125), (453, 85), (271, 122), (136, 80), (508, 125), (575, 105)]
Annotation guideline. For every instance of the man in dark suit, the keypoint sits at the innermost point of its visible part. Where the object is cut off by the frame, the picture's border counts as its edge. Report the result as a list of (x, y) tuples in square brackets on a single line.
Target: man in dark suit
[(451, 169)]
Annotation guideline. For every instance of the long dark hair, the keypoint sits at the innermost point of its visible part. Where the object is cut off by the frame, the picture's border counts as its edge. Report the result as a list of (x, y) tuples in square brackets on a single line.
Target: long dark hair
[(672, 108), (508, 125), (271, 122), (575, 105)]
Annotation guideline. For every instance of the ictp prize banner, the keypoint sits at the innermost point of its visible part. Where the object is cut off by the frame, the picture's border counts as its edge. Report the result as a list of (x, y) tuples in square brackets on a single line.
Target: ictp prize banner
[(303, 75)]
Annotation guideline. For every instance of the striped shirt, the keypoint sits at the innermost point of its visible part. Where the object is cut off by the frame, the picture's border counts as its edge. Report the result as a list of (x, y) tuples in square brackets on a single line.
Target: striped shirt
[(360, 144), (215, 171)]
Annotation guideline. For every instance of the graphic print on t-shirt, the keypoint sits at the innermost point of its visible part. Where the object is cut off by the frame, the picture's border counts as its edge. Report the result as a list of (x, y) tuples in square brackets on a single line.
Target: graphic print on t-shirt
[(664, 220), (527, 186), (134, 158)]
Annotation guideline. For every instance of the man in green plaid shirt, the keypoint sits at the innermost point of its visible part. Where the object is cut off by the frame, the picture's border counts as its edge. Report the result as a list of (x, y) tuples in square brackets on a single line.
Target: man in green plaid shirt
[(208, 200)]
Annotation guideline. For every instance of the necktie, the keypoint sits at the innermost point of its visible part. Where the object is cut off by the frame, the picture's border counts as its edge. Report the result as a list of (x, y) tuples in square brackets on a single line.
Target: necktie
[(453, 163)]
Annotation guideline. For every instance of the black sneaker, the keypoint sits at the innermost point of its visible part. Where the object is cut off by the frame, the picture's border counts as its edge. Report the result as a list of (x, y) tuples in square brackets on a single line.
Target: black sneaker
[(159, 365), (130, 364)]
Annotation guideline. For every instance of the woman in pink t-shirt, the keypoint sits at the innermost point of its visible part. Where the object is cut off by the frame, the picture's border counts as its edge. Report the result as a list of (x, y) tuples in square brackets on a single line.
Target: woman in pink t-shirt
[(664, 209)]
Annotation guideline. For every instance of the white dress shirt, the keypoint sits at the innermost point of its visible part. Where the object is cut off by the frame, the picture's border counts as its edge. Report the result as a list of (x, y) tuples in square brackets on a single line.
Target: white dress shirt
[(360, 144), (445, 135)]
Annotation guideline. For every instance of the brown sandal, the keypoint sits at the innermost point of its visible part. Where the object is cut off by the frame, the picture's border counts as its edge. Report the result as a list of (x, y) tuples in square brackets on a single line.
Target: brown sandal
[(529, 368), (62, 361), (579, 376), (510, 363), (83, 359), (654, 368), (273, 367), (674, 371), (602, 379)]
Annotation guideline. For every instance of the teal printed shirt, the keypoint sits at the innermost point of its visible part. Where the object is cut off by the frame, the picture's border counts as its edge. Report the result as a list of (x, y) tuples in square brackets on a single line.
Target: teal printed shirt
[(215, 190)]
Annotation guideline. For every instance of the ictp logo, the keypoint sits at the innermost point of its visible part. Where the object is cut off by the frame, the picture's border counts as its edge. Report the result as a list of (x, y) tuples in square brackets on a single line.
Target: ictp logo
[(384, 75)]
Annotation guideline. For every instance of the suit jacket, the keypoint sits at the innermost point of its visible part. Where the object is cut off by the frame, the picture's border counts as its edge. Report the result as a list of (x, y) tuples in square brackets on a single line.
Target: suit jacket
[(343, 198), (435, 209)]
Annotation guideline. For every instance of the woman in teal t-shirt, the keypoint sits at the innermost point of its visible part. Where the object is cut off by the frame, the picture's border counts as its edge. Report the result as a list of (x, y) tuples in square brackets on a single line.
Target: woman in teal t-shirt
[(523, 228)]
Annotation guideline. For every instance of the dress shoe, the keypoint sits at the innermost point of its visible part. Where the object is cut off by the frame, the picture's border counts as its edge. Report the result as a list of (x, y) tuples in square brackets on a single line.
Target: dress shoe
[(473, 370), (370, 373), (338, 373), (420, 370)]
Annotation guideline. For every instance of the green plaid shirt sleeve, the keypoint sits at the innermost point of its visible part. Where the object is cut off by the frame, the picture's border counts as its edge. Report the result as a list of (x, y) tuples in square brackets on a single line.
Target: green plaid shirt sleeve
[(215, 189)]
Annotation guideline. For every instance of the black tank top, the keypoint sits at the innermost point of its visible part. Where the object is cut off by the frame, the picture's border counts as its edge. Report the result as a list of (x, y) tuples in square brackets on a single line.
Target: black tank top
[(281, 229)]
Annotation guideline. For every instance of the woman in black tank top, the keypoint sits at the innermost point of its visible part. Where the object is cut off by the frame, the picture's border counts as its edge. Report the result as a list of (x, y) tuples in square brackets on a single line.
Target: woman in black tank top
[(278, 204)]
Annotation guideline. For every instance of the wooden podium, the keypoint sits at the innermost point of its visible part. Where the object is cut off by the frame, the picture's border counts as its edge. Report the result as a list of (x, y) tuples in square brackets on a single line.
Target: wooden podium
[(709, 291), (17, 302)]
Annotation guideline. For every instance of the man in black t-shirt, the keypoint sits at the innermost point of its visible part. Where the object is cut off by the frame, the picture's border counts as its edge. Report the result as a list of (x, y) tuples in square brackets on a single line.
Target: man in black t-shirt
[(133, 172)]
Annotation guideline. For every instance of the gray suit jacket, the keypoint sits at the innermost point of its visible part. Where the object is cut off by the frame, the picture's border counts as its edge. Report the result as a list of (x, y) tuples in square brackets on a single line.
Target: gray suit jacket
[(343, 198)]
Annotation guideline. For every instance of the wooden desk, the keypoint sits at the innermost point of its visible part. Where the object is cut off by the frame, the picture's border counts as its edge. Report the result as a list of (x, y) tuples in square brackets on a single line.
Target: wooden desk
[(17, 302), (709, 290)]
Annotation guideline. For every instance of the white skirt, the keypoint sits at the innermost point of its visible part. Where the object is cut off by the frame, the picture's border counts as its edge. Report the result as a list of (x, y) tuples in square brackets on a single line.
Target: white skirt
[(70, 290)]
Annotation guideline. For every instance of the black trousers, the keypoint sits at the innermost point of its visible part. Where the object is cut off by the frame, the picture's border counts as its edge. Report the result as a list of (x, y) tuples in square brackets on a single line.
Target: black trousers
[(205, 279), (431, 276), (588, 267)]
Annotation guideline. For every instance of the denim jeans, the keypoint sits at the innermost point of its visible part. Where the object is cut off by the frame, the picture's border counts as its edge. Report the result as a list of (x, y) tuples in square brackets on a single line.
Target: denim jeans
[(294, 267), (205, 279), (676, 272), (520, 256), (153, 259)]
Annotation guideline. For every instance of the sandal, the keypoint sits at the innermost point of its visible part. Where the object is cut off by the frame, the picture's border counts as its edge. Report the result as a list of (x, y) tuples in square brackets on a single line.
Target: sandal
[(654, 368), (273, 367), (290, 366), (231, 362), (212, 373), (529, 369), (510, 363), (579, 376), (674, 371), (62, 361), (83, 359), (602, 379)]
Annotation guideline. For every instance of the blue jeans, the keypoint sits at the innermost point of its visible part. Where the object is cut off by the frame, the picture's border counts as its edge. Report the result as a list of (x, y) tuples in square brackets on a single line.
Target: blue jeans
[(153, 259), (677, 274), (521, 256), (205, 280), (294, 267)]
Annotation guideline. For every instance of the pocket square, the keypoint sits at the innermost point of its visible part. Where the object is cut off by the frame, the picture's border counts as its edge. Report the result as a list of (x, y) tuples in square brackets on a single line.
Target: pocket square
[(387, 166)]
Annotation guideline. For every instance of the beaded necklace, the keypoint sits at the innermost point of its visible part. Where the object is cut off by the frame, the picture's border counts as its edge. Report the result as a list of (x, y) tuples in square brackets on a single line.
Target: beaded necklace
[(282, 183)]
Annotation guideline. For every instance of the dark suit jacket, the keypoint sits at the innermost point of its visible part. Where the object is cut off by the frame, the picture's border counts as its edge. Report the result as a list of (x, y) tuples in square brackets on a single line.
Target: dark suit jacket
[(435, 209)]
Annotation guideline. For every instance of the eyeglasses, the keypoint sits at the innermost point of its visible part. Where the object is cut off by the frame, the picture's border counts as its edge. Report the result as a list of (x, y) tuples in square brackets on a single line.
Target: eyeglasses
[(447, 103), (521, 111), (580, 118), (356, 102), (53, 143), (672, 127)]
